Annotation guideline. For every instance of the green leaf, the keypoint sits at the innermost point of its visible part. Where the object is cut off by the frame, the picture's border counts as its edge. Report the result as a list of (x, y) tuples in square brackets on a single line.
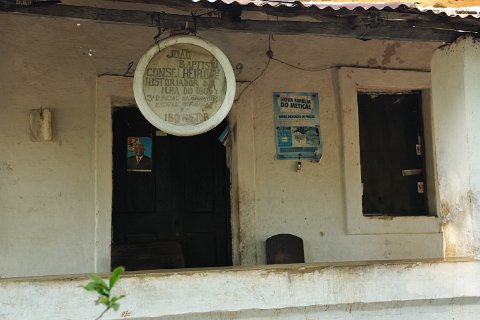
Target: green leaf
[(100, 286), (104, 293), (115, 276), (98, 280), (104, 300), (91, 286), (115, 299)]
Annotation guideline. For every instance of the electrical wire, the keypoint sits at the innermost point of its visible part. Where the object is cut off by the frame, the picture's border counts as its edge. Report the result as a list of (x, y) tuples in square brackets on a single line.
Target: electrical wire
[(253, 81), (270, 58), (316, 69)]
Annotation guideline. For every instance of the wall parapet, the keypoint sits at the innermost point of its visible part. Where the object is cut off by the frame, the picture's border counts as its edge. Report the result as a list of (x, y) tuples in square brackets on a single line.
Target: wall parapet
[(160, 294)]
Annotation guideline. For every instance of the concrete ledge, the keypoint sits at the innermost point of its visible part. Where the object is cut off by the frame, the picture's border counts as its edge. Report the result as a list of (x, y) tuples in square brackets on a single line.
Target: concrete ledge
[(240, 291), (461, 308)]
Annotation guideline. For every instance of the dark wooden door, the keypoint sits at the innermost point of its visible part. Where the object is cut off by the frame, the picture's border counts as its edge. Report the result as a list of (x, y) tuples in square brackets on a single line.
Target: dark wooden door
[(391, 154), (176, 214)]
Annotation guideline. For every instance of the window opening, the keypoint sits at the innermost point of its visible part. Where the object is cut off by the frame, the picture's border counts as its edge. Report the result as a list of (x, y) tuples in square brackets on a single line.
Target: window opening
[(392, 154)]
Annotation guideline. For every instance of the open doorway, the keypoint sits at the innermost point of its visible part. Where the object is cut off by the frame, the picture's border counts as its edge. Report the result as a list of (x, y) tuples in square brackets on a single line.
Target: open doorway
[(171, 201)]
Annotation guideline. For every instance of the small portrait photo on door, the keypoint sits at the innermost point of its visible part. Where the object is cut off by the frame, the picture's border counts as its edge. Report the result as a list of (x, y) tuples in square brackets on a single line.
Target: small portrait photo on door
[(139, 154)]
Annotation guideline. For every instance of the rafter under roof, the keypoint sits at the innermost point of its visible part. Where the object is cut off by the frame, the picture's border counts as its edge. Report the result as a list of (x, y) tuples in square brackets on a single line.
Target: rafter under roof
[(399, 23)]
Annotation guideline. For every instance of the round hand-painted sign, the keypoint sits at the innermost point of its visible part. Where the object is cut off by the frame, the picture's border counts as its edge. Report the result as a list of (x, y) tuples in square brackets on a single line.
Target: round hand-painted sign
[(184, 85)]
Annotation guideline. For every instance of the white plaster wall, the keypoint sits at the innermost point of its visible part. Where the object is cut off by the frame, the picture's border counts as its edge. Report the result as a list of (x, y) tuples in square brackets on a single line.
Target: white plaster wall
[(47, 218), (47, 188), (455, 89), (429, 290), (310, 203), (472, 96)]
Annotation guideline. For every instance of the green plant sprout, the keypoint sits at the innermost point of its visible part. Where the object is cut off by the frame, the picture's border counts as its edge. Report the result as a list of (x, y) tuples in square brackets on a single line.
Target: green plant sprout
[(104, 291)]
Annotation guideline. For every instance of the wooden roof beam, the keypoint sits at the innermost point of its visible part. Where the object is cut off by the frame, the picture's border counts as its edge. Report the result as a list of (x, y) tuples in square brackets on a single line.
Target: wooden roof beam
[(358, 25)]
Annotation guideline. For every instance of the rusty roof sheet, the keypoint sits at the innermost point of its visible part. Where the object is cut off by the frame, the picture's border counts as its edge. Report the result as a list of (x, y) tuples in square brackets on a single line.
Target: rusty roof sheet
[(423, 7), (318, 4)]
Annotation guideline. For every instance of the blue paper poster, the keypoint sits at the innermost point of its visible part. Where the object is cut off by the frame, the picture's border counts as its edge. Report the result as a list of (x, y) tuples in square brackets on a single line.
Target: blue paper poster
[(297, 125)]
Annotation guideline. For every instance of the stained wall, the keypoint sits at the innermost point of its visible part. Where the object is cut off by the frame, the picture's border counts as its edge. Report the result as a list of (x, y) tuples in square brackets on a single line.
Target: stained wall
[(48, 219)]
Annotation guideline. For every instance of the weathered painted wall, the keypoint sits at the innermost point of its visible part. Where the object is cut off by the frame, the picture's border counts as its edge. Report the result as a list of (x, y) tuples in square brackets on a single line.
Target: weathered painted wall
[(310, 203), (47, 190), (456, 114), (429, 290)]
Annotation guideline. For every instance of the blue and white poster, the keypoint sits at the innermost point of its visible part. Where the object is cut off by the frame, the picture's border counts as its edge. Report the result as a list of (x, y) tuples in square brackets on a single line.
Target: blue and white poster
[(297, 125)]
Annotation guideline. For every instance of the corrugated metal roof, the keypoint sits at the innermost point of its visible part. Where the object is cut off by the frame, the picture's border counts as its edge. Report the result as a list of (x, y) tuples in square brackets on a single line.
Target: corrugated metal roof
[(471, 11), (318, 4), (462, 12)]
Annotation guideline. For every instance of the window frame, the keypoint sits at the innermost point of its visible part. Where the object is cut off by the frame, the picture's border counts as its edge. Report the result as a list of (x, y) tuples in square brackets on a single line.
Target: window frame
[(352, 81)]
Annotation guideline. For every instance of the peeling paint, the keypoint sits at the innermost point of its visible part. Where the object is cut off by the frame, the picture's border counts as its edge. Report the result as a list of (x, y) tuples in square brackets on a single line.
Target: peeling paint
[(390, 51), (451, 210), (125, 314), (7, 177), (457, 227), (6, 167)]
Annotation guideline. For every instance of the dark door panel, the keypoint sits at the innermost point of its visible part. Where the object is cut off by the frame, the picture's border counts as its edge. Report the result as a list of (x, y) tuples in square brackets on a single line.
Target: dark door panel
[(196, 253), (177, 214)]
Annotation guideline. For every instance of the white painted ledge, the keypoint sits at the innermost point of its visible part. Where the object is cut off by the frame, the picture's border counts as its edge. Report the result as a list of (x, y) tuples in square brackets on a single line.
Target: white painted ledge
[(163, 294)]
